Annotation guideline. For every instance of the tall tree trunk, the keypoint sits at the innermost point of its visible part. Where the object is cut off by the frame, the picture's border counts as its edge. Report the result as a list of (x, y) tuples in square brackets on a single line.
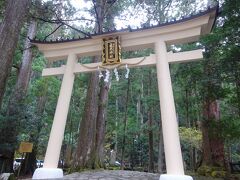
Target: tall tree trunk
[(86, 141), (16, 102), (213, 144), (29, 164), (160, 151), (150, 142), (115, 148), (100, 124), (104, 89), (125, 126), (10, 27), (188, 123), (207, 158), (237, 82), (92, 133), (86, 149), (26, 65), (150, 131)]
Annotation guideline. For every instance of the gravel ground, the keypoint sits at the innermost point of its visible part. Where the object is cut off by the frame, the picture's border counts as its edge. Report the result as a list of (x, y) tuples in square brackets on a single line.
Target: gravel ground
[(113, 175), (120, 175)]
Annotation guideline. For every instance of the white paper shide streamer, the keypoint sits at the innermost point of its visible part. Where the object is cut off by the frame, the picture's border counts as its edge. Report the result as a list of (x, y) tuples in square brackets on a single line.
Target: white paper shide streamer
[(100, 73), (107, 76), (127, 73), (116, 74)]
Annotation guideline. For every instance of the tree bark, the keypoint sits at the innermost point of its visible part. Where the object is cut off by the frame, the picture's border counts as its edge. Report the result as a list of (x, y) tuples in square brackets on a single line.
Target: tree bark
[(26, 66), (160, 151), (237, 82), (103, 96), (150, 131), (207, 158), (16, 102), (188, 123), (29, 164), (125, 126), (90, 151), (101, 124), (10, 27), (150, 142), (213, 144), (86, 141)]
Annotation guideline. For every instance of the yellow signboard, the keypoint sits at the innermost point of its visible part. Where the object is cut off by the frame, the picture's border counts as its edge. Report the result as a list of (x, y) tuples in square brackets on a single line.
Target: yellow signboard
[(25, 147), (111, 52)]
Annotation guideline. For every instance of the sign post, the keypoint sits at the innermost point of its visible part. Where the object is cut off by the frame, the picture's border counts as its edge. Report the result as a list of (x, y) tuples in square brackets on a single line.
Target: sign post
[(24, 148)]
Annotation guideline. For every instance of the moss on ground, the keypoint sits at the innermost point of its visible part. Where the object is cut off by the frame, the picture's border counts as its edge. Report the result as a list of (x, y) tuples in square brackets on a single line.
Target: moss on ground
[(206, 178), (215, 172)]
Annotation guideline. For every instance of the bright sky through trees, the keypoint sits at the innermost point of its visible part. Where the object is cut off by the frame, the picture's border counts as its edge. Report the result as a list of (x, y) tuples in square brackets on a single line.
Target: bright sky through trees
[(133, 16), (134, 19)]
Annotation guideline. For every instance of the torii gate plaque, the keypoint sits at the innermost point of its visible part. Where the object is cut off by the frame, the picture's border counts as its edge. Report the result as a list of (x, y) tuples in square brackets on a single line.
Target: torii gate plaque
[(157, 37)]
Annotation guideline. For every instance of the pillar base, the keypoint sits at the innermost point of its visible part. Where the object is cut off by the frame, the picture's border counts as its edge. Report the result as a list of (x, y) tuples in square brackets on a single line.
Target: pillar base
[(47, 173), (175, 177)]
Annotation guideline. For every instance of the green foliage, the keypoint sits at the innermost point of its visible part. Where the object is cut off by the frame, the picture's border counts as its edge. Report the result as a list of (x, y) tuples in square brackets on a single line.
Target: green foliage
[(218, 174), (191, 137), (215, 172), (204, 170), (2, 8), (230, 129)]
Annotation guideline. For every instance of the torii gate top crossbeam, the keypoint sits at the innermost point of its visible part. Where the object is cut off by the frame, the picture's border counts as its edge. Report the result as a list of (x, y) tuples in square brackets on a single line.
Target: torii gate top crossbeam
[(177, 32)]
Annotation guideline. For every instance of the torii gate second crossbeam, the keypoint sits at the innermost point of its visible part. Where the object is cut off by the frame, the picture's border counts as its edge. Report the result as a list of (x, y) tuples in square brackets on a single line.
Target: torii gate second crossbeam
[(157, 37)]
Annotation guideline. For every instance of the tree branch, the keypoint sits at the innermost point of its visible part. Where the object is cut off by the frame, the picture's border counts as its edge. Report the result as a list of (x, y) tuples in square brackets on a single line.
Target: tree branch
[(78, 30), (16, 67), (97, 16), (112, 2), (53, 32), (57, 21), (86, 34), (168, 4)]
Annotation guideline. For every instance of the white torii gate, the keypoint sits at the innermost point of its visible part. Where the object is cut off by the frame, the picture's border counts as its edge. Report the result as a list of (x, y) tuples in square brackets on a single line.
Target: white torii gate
[(157, 37)]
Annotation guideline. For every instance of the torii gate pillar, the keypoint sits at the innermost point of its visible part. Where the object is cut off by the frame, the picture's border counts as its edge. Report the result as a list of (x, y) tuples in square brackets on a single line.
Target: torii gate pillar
[(173, 154), (51, 159)]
